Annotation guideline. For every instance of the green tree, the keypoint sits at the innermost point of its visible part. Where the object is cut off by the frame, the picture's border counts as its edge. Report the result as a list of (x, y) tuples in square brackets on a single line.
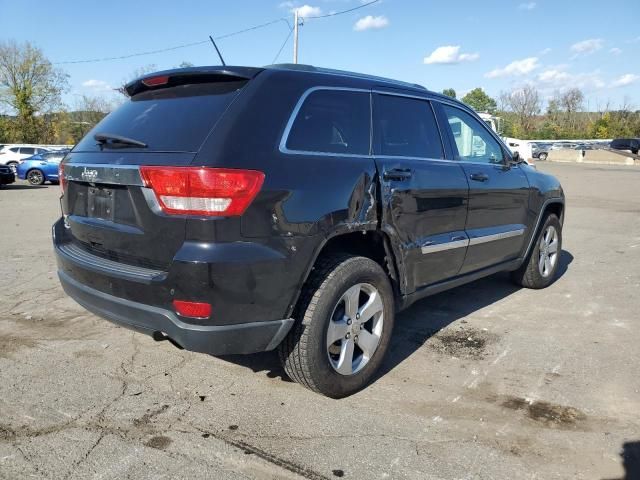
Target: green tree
[(30, 87), (480, 101), (449, 92)]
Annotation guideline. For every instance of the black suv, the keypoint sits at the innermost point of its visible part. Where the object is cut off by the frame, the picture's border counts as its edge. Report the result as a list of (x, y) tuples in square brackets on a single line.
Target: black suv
[(238, 210), (632, 144)]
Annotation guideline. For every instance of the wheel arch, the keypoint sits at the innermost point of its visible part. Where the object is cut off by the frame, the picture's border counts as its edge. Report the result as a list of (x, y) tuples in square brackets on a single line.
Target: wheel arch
[(553, 205), (371, 242)]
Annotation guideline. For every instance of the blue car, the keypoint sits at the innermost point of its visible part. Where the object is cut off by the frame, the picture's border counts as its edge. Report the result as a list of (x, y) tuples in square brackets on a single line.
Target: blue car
[(41, 168)]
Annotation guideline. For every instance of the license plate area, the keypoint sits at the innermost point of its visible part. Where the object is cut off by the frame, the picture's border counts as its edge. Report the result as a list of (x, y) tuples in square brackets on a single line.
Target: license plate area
[(100, 203)]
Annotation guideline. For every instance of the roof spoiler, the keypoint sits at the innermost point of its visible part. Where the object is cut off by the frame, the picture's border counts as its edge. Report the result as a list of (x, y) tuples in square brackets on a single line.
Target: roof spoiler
[(183, 76)]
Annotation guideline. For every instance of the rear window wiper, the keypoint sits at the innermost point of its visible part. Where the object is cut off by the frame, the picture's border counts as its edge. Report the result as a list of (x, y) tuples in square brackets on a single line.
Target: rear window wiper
[(117, 141)]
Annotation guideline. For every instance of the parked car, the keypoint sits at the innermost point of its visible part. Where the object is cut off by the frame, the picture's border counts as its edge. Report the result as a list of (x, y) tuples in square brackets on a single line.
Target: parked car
[(541, 150), (12, 154), (584, 146), (563, 145), (6, 175), (293, 207), (41, 168), (632, 144)]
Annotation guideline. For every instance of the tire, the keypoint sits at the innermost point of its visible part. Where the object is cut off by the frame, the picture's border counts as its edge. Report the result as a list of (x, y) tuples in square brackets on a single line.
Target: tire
[(13, 166), (541, 267), (322, 310), (542, 156), (35, 177)]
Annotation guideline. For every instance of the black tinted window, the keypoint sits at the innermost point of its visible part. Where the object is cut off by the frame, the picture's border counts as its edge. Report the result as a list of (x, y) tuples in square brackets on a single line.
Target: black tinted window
[(14, 149), (406, 127), (27, 150), (332, 121), (174, 119)]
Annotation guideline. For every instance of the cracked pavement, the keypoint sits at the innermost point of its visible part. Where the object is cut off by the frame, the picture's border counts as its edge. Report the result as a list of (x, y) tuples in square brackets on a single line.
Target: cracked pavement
[(486, 381)]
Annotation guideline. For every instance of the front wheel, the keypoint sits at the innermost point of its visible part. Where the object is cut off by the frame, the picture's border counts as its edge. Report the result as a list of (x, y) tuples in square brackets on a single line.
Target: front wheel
[(35, 177), (542, 156), (540, 269), (344, 321), (13, 166)]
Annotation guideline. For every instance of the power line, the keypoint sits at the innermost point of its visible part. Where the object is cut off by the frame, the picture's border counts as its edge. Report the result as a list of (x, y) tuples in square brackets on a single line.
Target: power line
[(343, 11), (176, 47), (282, 47)]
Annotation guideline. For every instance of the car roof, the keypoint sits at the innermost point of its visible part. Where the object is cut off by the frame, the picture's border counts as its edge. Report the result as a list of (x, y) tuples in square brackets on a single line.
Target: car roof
[(243, 72)]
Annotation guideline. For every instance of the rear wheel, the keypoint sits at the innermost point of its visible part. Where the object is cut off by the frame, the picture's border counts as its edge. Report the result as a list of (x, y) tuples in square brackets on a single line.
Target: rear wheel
[(344, 321), (541, 267), (35, 177), (542, 156)]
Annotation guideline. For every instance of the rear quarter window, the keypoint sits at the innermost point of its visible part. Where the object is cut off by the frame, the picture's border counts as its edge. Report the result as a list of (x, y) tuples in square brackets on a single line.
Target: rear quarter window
[(332, 121), (176, 119)]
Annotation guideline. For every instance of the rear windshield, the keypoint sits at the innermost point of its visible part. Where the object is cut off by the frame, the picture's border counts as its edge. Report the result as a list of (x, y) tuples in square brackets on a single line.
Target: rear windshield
[(175, 119)]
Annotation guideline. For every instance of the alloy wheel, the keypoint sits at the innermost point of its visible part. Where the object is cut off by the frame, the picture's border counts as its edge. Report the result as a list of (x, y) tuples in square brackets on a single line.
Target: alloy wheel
[(35, 177), (548, 251), (355, 329)]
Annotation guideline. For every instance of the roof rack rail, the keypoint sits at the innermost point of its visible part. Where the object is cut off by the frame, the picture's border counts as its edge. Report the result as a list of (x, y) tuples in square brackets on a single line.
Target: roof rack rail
[(344, 73)]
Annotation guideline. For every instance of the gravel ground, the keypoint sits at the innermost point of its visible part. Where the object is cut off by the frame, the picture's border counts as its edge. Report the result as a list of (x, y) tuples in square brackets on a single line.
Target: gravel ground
[(486, 381)]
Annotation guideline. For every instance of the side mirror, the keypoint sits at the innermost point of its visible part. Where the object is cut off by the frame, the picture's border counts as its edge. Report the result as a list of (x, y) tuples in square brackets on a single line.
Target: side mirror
[(516, 159)]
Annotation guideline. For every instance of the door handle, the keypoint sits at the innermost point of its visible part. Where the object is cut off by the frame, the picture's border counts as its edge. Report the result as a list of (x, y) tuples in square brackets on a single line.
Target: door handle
[(479, 177), (397, 174)]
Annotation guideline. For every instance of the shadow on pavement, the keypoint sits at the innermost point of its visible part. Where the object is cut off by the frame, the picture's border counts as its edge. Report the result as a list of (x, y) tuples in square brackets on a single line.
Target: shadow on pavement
[(630, 461), (416, 325), (18, 186)]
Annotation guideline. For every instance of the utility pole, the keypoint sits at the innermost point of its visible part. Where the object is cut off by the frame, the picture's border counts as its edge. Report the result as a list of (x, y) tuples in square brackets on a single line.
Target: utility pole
[(295, 36)]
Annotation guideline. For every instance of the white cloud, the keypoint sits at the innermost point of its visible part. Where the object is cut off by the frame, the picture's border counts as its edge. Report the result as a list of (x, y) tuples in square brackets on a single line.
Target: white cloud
[(615, 51), (517, 67), (97, 85), (371, 22), (449, 54), (544, 51), (626, 79), (287, 4), (308, 11), (586, 47), (527, 6), (557, 78)]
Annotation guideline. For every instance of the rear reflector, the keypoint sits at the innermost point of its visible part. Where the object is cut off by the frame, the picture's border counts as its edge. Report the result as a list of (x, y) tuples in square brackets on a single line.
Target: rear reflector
[(202, 191), (192, 309)]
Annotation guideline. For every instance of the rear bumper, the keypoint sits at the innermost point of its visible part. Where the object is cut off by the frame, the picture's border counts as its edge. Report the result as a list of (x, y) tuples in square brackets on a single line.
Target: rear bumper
[(164, 324), (7, 178)]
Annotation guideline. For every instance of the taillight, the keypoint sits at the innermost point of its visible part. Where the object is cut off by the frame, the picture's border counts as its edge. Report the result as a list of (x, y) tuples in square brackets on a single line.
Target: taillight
[(201, 190), (61, 178), (192, 309)]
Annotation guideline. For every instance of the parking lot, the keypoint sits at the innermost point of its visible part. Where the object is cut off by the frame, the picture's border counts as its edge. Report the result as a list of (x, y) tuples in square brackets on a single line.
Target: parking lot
[(486, 381)]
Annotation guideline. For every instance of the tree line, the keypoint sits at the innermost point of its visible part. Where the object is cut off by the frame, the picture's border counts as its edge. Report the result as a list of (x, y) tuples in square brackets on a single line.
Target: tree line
[(32, 110), (565, 116)]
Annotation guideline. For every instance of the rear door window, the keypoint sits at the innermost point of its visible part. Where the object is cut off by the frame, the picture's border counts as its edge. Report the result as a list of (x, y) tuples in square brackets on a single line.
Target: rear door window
[(332, 121), (406, 127), (176, 119)]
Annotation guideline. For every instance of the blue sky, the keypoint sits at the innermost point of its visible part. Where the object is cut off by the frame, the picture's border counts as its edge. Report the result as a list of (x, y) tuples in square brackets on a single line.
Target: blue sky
[(496, 45)]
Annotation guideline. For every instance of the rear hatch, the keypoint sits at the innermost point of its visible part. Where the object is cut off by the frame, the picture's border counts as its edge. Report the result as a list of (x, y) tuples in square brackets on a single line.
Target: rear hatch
[(108, 210)]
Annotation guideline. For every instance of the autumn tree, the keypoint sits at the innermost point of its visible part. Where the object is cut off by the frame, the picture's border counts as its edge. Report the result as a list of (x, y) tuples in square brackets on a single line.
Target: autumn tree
[(30, 86), (525, 103)]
